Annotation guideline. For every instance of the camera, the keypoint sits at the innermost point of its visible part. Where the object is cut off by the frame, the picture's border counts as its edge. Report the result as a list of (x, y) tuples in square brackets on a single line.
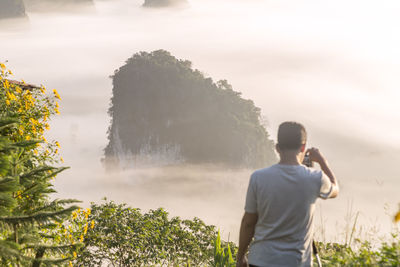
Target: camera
[(307, 161)]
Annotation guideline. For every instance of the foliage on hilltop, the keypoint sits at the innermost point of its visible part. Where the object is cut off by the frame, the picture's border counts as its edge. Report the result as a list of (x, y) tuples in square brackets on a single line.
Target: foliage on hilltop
[(161, 105), (12, 9), (27, 215)]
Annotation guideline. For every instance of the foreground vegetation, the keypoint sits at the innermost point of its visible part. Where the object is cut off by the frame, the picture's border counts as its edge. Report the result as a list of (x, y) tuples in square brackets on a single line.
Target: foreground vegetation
[(27, 215), (37, 231)]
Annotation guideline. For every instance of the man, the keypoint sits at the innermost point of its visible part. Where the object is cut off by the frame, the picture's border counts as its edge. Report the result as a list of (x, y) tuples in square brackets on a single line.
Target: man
[(280, 204)]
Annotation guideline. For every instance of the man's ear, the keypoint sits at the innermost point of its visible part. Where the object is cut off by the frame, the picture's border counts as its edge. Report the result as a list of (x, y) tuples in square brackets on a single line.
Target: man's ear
[(303, 148), (277, 148)]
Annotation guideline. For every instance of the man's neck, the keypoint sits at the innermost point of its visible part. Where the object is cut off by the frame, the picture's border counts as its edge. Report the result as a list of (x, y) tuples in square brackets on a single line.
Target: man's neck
[(290, 159)]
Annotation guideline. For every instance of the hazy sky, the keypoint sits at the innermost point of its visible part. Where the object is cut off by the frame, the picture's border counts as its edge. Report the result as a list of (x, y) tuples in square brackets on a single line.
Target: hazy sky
[(333, 65)]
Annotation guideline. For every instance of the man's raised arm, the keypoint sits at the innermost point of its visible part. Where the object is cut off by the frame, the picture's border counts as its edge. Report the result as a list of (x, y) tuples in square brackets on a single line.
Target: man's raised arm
[(315, 155)]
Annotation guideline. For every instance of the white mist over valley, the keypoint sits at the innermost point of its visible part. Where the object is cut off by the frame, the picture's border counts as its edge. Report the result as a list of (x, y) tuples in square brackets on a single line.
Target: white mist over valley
[(334, 66)]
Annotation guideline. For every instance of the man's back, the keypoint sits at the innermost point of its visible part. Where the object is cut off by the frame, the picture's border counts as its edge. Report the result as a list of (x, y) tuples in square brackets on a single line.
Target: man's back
[(284, 198)]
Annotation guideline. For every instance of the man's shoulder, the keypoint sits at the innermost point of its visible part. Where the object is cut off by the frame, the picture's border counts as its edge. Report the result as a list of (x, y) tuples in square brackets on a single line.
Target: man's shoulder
[(265, 170), (276, 168), (312, 172)]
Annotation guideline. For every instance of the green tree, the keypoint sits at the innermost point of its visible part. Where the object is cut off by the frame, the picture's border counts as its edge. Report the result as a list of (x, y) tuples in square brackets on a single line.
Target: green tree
[(118, 235)]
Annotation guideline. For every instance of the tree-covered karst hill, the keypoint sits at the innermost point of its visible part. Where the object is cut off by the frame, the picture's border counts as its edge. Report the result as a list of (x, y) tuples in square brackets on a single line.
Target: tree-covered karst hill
[(164, 3), (163, 108), (12, 9)]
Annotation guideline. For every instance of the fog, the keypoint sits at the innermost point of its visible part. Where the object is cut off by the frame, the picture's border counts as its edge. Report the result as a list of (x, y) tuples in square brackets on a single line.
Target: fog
[(333, 66)]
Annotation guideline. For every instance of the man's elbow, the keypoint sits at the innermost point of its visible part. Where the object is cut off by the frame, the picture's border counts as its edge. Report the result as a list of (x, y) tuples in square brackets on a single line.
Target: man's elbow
[(335, 192)]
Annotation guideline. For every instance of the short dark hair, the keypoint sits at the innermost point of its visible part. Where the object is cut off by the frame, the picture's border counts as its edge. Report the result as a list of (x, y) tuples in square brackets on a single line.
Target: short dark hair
[(291, 135)]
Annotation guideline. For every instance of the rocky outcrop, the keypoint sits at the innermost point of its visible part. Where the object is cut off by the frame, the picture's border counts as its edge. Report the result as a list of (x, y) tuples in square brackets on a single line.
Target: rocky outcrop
[(165, 112), (164, 3), (56, 5), (12, 9)]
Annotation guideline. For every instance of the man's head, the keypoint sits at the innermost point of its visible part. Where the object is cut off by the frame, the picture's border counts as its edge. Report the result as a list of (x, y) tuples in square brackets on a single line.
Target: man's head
[(292, 136)]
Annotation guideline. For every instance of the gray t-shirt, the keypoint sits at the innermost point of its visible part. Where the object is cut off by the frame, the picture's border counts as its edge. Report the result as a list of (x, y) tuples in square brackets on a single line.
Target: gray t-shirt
[(284, 198)]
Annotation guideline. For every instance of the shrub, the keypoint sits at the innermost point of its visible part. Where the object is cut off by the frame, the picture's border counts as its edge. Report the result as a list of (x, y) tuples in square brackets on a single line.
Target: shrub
[(118, 235)]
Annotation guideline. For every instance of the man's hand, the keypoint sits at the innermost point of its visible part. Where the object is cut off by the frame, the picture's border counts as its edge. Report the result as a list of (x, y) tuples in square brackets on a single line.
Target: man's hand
[(315, 155), (242, 262)]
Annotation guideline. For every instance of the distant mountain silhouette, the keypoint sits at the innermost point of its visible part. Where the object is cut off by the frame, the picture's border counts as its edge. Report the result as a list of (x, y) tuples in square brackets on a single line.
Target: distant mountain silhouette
[(163, 3), (56, 5), (12, 9), (162, 110)]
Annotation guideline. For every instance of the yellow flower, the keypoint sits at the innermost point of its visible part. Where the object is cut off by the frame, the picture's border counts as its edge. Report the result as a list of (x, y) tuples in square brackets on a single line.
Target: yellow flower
[(8, 102), (397, 217), (46, 126), (81, 238), (18, 89), (57, 111), (44, 139), (70, 264), (6, 84), (10, 96), (74, 253), (56, 151), (85, 229), (56, 94), (10, 72), (35, 151), (43, 89), (88, 211), (74, 215), (28, 137), (57, 144), (91, 224), (3, 67), (62, 160)]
